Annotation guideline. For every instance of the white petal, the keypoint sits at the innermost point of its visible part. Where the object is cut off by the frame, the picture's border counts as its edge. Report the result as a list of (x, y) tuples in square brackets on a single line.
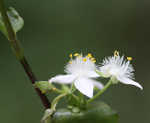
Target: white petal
[(129, 81), (92, 74), (97, 84), (85, 86), (64, 79)]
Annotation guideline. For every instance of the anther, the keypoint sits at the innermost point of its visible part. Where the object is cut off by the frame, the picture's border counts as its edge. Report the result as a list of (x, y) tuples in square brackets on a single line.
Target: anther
[(70, 55), (76, 54), (93, 60), (89, 55), (116, 53), (129, 58)]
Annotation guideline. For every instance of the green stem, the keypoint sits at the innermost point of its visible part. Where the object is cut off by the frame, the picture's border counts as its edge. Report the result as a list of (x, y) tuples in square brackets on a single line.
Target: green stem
[(101, 91), (75, 97), (18, 51), (73, 89), (49, 112), (55, 101)]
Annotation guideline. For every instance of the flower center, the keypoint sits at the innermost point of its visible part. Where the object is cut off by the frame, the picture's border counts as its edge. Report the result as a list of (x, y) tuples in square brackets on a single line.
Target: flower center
[(84, 59)]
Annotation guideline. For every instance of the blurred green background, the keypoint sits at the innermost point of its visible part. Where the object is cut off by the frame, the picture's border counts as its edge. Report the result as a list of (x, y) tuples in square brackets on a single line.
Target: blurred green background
[(55, 28)]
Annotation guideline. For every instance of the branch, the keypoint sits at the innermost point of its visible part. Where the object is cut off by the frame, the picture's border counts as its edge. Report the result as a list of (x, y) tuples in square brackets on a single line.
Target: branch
[(19, 53)]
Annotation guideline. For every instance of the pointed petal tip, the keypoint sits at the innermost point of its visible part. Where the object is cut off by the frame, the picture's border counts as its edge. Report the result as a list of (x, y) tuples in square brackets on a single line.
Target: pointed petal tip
[(90, 96), (137, 85), (129, 81), (85, 86), (141, 87), (50, 80), (98, 84), (62, 79)]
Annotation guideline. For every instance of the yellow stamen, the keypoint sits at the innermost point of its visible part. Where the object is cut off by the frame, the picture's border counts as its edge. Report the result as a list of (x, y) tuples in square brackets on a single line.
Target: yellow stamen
[(84, 59), (70, 55), (89, 55), (76, 54), (129, 58), (116, 53), (93, 60)]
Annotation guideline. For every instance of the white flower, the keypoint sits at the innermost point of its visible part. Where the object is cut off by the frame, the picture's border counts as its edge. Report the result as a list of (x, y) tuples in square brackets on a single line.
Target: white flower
[(119, 69), (81, 72)]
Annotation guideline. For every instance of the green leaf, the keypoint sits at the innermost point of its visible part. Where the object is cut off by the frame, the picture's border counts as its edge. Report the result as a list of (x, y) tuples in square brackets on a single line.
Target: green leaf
[(16, 21), (44, 86), (96, 113)]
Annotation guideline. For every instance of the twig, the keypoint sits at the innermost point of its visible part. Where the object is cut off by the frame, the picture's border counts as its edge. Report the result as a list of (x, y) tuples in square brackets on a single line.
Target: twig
[(19, 53)]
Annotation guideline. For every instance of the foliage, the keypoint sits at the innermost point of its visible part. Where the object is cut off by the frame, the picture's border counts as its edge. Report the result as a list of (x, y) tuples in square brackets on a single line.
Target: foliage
[(16, 20)]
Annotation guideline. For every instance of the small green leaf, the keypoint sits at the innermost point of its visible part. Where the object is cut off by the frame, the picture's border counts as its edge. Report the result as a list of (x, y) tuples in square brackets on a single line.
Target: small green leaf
[(44, 86), (16, 21), (95, 113)]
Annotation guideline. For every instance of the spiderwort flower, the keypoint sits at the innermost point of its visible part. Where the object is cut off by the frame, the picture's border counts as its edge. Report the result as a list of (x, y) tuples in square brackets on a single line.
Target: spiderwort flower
[(118, 69), (81, 72)]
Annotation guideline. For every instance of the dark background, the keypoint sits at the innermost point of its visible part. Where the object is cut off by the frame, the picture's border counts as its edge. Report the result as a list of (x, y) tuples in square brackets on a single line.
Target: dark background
[(55, 28)]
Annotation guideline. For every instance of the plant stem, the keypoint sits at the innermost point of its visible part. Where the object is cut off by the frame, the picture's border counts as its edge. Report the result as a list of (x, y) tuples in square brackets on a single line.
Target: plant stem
[(19, 53), (55, 101), (101, 91), (49, 112)]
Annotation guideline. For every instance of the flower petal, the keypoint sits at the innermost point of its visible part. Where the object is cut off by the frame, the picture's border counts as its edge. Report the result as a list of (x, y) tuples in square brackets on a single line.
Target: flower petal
[(129, 81), (97, 84), (64, 79), (92, 74), (85, 86)]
